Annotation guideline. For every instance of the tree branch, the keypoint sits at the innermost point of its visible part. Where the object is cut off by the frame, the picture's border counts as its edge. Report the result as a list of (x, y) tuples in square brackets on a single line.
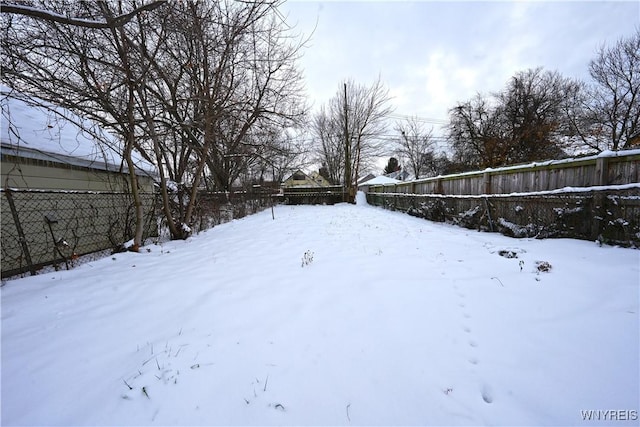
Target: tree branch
[(46, 15)]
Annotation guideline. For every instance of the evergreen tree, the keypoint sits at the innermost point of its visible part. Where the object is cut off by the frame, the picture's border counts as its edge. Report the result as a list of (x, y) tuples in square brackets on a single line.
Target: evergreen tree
[(392, 166)]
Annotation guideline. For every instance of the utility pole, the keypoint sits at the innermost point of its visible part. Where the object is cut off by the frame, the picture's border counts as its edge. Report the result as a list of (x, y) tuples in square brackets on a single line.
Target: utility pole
[(347, 148)]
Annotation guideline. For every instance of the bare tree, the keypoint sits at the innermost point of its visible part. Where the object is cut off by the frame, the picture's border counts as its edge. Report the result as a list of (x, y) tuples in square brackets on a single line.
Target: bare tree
[(92, 72), (615, 106), (192, 86), (475, 134), (526, 121), (415, 146), (349, 128), (282, 152), (329, 145), (224, 82), (533, 117)]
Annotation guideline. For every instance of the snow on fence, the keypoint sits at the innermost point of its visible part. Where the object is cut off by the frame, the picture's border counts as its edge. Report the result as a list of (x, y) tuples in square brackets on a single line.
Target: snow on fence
[(43, 228), (591, 198), (608, 168)]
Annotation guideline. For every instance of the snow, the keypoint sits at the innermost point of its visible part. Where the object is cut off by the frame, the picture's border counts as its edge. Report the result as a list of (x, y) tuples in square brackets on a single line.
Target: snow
[(31, 131), (379, 180), (328, 315), (563, 190), (610, 153)]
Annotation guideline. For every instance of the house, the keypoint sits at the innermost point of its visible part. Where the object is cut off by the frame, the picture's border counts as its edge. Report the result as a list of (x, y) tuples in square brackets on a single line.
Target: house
[(365, 178), (313, 188), (401, 175), (301, 179), (65, 187)]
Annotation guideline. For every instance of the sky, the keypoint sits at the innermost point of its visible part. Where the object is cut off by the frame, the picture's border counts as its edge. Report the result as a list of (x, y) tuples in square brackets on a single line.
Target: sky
[(433, 54)]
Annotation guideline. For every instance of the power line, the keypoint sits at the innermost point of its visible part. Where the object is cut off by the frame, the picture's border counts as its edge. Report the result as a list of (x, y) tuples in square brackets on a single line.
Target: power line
[(419, 119)]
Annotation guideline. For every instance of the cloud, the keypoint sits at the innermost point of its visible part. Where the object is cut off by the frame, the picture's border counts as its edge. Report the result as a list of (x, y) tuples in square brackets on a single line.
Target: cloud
[(434, 54), (443, 78)]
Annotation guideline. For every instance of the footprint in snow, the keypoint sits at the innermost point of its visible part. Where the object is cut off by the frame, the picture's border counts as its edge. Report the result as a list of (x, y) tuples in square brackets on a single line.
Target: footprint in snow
[(487, 394)]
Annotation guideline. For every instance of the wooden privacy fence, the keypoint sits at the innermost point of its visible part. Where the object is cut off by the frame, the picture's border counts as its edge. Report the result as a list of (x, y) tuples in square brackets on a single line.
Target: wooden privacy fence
[(591, 198), (314, 195), (609, 168)]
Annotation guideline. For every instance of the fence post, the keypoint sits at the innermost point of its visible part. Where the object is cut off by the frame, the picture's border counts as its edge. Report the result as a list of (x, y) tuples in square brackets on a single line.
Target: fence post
[(486, 180), (21, 236), (602, 171), (598, 201)]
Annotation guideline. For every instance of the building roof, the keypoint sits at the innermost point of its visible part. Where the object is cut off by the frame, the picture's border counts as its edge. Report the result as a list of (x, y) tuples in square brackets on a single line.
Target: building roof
[(381, 180), (399, 174), (365, 178), (42, 131)]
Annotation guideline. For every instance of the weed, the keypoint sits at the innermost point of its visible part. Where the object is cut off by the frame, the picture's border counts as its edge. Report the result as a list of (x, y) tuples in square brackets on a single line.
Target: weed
[(508, 254), (307, 258), (499, 281), (543, 266)]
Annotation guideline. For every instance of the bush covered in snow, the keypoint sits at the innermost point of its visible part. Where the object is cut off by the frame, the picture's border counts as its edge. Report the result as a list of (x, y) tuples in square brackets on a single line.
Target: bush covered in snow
[(433, 210), (611, 217)]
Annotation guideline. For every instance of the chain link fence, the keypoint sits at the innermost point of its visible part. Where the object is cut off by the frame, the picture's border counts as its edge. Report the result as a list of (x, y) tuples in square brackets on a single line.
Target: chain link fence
[(52, 229), (214, 208)]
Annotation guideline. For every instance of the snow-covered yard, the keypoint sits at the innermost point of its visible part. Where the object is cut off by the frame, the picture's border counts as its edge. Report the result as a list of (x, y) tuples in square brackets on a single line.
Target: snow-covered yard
[(328, 315)]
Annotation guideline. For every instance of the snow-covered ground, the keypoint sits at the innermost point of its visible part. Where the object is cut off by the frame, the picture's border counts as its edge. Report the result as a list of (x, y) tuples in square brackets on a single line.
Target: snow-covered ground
[(328, 315)]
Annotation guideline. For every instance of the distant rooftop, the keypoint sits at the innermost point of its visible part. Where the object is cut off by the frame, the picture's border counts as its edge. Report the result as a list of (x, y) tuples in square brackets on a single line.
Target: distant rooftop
[(381, 180)]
